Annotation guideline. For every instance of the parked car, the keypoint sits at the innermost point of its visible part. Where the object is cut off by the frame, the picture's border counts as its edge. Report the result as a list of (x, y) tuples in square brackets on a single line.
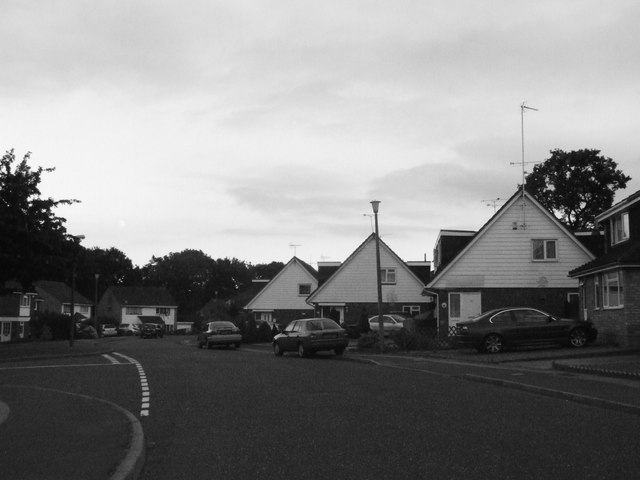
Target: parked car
[(501, 328), (148, 330), (129, 329), (390, 323), (159, 329), (309, 335), (109, 330), (220, 333)]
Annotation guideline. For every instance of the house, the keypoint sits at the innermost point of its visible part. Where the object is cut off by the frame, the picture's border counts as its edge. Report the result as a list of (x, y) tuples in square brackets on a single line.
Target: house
[(16, 308), (56, 297), (521, 256), (284, 297), (350, 291), (610, 284), (137, 305)]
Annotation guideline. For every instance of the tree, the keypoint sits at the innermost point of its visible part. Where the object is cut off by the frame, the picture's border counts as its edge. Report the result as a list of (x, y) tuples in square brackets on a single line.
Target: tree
[(33, 240), (576, 185)]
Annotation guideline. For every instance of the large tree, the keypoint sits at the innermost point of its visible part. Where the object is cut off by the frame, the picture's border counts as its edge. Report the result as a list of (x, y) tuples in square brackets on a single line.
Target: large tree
[(576, 185), (33, 240)]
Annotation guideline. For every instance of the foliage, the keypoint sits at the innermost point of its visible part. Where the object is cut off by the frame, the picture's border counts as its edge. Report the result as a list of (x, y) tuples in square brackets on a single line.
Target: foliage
[(576, 185), (33, 240), (50, 326)]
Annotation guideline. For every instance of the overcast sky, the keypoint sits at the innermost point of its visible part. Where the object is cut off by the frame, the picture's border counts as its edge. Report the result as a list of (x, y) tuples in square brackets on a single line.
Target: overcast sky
[(242, 127)]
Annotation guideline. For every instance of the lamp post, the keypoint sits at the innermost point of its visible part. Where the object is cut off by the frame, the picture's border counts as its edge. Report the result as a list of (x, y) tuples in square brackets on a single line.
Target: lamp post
[(375, 204), (95, 304), (72, 323)]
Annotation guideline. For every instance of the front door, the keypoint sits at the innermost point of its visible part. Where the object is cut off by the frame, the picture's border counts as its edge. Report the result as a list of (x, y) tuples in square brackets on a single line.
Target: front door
[(464, 306)]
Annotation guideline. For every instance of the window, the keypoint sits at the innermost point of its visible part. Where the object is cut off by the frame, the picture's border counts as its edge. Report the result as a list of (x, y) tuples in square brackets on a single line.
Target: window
[(620, 228), (25, 301), (6, 329), (133, 311), (84, 308), (597, 291), (388, 275), (411, 309), (304, 289), (544, 250), (612, 290), (454, 305), (66, 308), (163, 311)]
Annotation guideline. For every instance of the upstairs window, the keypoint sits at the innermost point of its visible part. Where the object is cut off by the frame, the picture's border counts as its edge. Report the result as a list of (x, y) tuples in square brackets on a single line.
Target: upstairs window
[(163, 311), (133, 311), (304, 289), (544, 250), (620, 228), (388, 275)]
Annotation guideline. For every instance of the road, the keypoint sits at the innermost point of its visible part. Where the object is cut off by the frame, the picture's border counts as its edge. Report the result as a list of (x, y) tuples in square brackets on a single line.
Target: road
[(246, 414)]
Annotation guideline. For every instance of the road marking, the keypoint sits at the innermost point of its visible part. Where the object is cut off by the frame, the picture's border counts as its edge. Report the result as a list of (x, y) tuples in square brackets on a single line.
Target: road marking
[(144, 385), (110, 358)]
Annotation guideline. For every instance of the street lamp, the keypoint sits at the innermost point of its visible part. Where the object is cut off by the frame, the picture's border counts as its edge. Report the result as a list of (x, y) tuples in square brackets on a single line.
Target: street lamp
[(375, 204), (95, 304), (72, 326)]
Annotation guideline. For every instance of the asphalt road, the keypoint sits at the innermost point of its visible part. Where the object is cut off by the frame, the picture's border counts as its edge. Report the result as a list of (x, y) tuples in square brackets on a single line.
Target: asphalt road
[(246, 414)]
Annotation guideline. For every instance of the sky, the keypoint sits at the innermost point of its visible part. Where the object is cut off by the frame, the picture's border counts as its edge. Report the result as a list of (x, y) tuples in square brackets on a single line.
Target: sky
[(258, 130)]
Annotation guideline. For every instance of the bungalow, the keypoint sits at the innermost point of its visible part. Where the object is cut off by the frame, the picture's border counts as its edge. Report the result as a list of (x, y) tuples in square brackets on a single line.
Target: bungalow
[(521, 256), (610, 284), (349, 290), (284, 297), (137, 305)]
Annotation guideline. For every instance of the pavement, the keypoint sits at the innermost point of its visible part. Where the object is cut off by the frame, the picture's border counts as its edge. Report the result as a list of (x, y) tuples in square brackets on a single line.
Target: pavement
[(114, 433)]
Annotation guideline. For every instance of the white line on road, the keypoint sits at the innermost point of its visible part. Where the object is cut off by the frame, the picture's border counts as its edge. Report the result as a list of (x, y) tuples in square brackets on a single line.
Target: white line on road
[(144, 385)]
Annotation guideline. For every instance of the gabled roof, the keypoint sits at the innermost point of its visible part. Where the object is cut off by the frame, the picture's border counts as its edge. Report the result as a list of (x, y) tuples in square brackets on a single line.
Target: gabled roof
[(143, 296), (61, 292), (517, 196), (346, 264), (295, 261)]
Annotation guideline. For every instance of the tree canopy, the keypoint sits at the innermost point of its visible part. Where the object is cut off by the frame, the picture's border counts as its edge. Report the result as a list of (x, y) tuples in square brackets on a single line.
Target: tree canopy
[(576, 185), (33, 240)]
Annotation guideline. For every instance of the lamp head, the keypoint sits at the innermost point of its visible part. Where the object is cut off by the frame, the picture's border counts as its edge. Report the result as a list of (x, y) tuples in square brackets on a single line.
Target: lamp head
[(375, 204)]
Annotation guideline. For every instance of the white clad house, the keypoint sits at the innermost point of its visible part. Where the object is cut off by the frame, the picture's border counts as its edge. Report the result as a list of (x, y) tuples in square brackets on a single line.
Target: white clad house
[(284, 298), (138, 305), (520, 257), (351, 290)]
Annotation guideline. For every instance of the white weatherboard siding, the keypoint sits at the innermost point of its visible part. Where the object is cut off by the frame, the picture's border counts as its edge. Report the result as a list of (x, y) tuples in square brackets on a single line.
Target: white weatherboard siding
[(282, 292), (502, 256), (356, 281)]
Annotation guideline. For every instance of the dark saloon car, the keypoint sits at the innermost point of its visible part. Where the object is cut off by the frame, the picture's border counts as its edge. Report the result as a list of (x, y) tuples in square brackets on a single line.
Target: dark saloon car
[(309, 335), (502, 328), (148, 330), (220, 333)]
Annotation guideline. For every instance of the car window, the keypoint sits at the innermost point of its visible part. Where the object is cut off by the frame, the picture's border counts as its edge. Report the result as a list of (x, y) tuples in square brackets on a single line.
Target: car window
[(329, 324), (502, 318), (314, 325), (531, 317), (290, 327)]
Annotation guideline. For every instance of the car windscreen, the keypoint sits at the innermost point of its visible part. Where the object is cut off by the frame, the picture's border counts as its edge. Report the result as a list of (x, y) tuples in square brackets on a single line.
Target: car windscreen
[(329, 324)]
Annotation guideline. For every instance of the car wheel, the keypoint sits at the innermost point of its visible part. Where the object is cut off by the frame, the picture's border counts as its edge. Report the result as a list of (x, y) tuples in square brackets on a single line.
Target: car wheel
[(493, 343), (339, 351), (277, 350), (209, 346), (302, 352), (578, 337)]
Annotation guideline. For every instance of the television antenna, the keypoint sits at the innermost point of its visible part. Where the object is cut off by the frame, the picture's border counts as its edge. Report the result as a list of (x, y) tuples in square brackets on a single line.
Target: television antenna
[(523, 108), (370, 215), (493, 203), (294, 246)]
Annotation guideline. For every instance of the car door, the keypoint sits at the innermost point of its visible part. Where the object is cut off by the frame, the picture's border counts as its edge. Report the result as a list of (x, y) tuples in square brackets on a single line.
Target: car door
[(288, 340), (533, 326)]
